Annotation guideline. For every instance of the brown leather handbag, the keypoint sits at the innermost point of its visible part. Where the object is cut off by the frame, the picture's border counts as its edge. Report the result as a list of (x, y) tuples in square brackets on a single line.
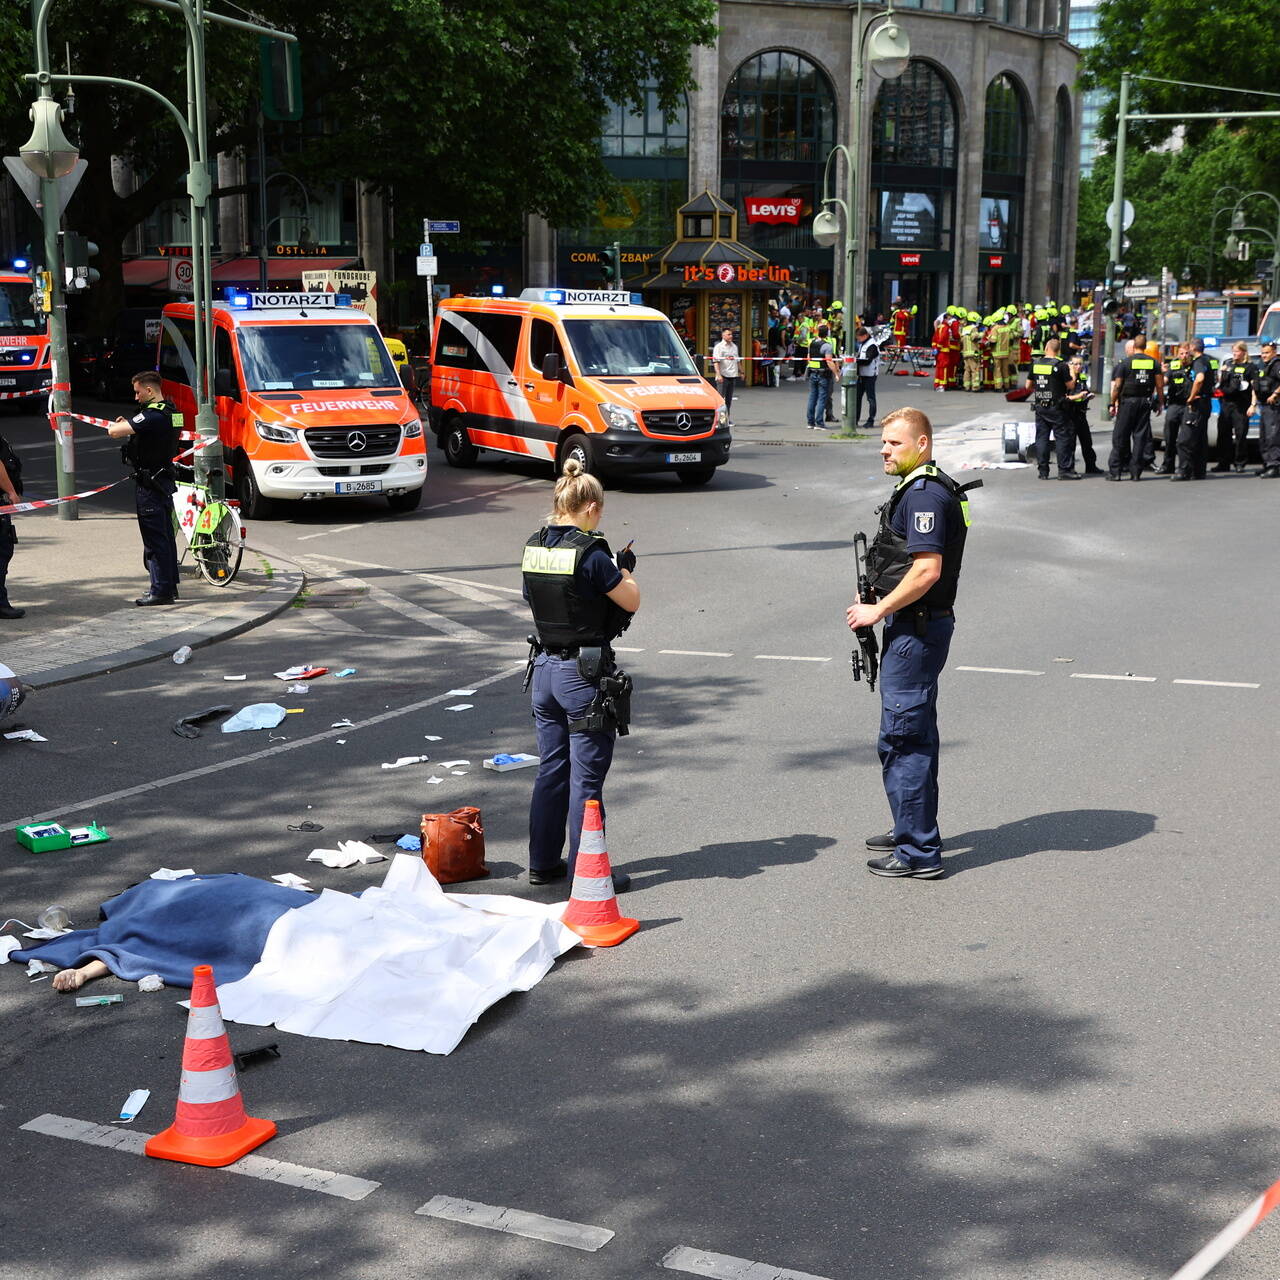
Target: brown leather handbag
[(453, 845)]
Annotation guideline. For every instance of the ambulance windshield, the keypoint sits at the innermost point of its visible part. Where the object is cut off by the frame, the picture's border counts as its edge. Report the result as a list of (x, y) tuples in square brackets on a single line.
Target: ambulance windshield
[(628, 348), (16, 312), (311, 357)]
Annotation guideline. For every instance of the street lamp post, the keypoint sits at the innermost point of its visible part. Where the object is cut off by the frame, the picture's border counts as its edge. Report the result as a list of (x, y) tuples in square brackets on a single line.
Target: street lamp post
[(265, 226), (1232, 242), (889, 51)]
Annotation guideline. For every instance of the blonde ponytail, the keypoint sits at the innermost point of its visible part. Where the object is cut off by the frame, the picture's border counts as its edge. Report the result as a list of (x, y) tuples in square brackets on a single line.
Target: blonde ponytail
[(574, 490)]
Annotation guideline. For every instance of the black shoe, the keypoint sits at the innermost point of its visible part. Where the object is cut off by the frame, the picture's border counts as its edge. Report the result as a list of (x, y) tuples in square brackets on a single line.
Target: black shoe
[(1136, 476), (548, 875), (151, 598), (1044, 475), (886, 842), (1070, 475), (8, 611), (621, 881), (1270, 473), (1178, 475), (1094, 471), (894, 866)]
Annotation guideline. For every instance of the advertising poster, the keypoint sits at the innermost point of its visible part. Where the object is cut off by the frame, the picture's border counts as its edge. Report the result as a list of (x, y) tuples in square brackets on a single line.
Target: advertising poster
[(908, 219)]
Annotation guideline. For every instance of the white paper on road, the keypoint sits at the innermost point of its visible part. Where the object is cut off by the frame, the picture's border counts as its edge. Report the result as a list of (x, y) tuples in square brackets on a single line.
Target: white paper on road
[(432, 737), (452, 764), (290, 881), (460, 693), (347, 854), (8, 944), (404, 964), (460, 706), (25, 735), (404, 760), (167, 873)]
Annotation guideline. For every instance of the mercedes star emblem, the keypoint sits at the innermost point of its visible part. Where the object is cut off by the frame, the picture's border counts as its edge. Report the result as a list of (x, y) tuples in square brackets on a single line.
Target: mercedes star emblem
[(683, 421), (357, 442)]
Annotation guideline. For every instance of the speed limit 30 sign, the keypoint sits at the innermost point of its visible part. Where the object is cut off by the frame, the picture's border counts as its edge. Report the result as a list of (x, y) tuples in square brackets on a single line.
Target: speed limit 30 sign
[(181, 274)]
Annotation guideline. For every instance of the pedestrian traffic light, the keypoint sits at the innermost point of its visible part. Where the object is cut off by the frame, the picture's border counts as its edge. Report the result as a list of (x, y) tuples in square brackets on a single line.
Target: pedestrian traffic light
[(610, 257), (280, 79), (76, 252)]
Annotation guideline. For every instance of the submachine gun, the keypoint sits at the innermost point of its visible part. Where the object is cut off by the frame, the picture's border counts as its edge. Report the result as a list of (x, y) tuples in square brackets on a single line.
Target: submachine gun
[(865, 660)]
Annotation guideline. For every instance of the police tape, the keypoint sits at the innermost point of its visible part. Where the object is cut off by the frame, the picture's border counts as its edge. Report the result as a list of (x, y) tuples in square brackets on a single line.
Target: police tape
[(1229, 1236), (18, 395)]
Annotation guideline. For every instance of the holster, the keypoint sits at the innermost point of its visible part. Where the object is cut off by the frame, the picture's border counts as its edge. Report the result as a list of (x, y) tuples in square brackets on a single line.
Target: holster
[(591, 662), (610, 709)]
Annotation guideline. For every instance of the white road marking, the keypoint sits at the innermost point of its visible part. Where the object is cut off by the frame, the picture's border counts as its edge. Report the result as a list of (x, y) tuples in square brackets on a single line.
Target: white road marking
[(267, 752), (1221, 684), (132, 1141), (484, 586), (486, 493), (324, 533), (783, 657), (1085, 675), (696, 653), (494, 1217), (617, 648), (1002, 671), (468, 591), (722, 1266)]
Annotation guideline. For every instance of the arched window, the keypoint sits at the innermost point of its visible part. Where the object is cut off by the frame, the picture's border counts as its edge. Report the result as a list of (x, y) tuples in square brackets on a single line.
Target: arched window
[(778, 106), (1005, 144), (915, 120)]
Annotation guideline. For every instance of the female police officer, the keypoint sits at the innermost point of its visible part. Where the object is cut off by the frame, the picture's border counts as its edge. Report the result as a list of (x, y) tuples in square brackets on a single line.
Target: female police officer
[(581, 600)]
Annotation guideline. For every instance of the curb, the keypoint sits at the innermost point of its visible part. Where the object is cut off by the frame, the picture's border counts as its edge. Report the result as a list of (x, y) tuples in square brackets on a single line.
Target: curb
[(286, 582)]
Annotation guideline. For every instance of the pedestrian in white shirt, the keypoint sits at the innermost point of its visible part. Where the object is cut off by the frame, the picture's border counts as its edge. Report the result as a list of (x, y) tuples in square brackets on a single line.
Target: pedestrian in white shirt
[(725, 357)]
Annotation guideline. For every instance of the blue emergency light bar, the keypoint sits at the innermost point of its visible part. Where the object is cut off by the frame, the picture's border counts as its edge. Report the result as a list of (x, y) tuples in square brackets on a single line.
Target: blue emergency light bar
[(21, 264), (589, 297), (498, 290)]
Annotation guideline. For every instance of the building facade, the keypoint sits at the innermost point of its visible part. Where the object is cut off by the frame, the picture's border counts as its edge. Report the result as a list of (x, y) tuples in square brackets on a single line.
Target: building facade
[(969, 159)]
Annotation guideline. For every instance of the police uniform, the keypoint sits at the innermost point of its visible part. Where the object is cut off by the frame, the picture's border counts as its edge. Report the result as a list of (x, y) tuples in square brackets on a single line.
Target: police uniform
[(1267, 385), (1049, 378), (1193, 436), (150, 452), (1177, 387), (1235, 381), (1131, 434), (926, 513), (1078, 411), (567, 574), (8, 534)]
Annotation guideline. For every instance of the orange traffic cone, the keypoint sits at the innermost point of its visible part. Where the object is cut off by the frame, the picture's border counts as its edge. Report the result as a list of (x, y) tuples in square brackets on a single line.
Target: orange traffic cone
[(592, 911), (210, 1126)]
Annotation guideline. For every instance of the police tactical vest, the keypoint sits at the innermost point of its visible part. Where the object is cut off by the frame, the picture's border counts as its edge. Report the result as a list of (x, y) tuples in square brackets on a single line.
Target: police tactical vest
[(1269, 378), (1139, 376), (888, 558), (1050, 387), (1177, 382), (156, 450), (562, 616), (816, 363), (1234, 380)]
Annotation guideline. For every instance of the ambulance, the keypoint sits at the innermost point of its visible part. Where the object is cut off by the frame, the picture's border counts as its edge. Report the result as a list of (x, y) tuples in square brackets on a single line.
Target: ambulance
[(24, 337), (308, 399), (566, 373)]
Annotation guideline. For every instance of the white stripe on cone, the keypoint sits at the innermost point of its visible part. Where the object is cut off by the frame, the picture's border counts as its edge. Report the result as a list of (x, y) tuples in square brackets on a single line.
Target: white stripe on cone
[(208, 1086), (592, 888), (205, 1023)]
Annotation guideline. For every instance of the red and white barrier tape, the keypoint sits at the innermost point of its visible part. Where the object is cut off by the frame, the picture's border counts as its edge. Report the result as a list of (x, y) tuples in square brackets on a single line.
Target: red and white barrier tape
[(18, 395), (1230, 1236)]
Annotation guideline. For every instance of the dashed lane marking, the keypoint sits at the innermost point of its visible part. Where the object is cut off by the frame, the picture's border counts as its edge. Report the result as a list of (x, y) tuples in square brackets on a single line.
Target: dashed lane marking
[(786, 657), (266, 753), (324, 533), (1002, 671), (131, 1141), (696, 653), (516, 1222), (722, 1266), (1088, 675), (475, 592), (485, 493), (1221, 684)]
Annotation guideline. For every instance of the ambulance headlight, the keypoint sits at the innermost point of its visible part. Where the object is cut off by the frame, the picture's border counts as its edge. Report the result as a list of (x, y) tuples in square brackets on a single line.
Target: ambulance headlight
[(413, 429), (722, 417), (274, 432), (619, 417)]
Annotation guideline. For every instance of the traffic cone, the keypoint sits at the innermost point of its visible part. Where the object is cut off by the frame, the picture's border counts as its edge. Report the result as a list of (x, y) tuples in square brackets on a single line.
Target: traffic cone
[(592, 911), (210, 1126)]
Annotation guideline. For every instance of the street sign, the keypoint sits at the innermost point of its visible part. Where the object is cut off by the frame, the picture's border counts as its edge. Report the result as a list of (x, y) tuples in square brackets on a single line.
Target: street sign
[(1128, 216), (29, 184), (425, 250), (444, 228), (428, 265), (1142, 289), (181, 274)]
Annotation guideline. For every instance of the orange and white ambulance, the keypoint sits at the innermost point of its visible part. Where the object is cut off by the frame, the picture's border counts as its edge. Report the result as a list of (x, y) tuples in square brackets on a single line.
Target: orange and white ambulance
[(24, 337), (560, 373), (308, 399)]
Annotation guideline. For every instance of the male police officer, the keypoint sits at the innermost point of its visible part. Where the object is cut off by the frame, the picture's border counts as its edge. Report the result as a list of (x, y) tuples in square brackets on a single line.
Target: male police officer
[(1193, 436), (1177, 380), (1236, 383), (1267, 389), (1133, 382), (1049, 382), (913, 566), (151, 442)]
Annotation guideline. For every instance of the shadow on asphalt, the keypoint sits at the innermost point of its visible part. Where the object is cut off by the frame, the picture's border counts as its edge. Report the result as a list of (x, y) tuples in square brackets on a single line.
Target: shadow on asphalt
[(1067, 831), (729, 860)]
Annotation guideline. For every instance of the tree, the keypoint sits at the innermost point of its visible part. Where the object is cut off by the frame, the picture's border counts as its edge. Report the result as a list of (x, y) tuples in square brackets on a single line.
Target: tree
[(477, 109)]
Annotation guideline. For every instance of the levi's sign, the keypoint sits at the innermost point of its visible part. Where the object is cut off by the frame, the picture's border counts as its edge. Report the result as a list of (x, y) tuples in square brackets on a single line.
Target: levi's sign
[(773, 209), (908, 259)]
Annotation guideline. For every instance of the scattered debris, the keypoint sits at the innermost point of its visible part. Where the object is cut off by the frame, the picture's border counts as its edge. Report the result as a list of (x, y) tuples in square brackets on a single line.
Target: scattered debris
[(308, 825), (258, 715), (290, 881), (404, 760), (434, 782), (299, 689), (240, 677), (87, 1002), (247, 1058), (181, 655), (344, 673), (38, 969), (460, 693), (167, 873), (461, 706), (347, 854), (342, 724), (432, 737), (304, 672), (410, 843), (133, 1103), (452, 764), (25, 735), (186, 727), (505, 763), (152, 982), (41, 837)]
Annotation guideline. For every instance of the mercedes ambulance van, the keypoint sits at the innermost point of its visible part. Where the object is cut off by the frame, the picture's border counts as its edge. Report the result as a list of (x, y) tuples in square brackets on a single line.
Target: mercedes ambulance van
[(308, 399), (560, 373), (24, 337)]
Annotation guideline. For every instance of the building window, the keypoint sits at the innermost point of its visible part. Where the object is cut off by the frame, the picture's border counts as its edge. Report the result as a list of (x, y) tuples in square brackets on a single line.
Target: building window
[(915, 120), (778, 106), (645, 132), (1005, 143)]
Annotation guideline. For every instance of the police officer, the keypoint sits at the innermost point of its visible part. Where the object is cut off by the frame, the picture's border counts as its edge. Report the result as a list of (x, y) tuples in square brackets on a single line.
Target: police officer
[(867, 355), (1193, 436), (10, 491), (1267, 389), (1077, 407), (1134, 381), (1049, 382), (1235, 382), (151, 442), (913, 566), (1177, 383), (582, 597)]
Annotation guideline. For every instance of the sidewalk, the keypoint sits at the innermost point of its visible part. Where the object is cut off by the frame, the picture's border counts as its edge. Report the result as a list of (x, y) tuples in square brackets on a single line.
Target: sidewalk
[(78, 579)]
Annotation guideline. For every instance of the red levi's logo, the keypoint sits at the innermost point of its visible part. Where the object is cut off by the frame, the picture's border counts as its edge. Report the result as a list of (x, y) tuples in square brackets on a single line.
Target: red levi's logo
[(772, 209), (908, 259)]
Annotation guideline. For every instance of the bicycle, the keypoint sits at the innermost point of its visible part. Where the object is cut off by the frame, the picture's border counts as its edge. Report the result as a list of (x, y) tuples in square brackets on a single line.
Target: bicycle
[(211, 528)]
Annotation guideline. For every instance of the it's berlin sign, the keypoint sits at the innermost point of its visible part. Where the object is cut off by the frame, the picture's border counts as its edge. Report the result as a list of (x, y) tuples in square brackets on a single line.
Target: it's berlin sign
[(728, 273)]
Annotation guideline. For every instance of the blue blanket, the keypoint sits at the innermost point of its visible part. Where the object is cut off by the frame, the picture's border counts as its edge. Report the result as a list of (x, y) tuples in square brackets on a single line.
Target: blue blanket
[(168, 927)]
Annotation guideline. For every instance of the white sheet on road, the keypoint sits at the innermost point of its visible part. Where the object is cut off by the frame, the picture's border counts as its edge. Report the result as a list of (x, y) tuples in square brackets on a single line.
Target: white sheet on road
[(405, 964)]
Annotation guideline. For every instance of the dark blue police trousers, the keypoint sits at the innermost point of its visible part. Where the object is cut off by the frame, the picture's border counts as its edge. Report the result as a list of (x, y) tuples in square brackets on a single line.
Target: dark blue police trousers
[(573, 765), (159, 542), (908, 742)]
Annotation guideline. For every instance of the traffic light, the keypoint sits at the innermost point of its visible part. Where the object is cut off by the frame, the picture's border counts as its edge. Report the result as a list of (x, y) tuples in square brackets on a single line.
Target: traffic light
[(610, 257), (76, 252), (1112, 282)]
